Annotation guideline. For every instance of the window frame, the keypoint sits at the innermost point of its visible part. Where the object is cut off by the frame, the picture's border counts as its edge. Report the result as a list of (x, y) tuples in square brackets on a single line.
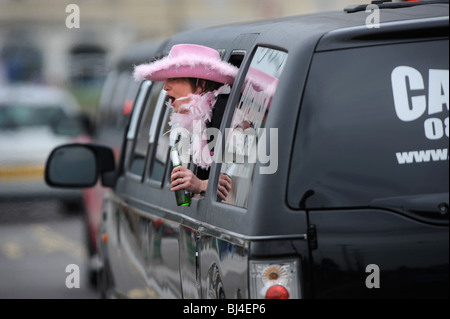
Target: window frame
[(156, 132), (140, 102), (235, 99)]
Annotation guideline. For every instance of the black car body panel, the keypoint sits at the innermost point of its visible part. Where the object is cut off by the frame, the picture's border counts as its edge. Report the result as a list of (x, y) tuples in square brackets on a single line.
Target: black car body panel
[(353, 205)]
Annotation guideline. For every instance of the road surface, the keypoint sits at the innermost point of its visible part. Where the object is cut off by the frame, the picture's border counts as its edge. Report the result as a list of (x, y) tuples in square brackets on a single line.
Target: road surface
[(42, 252)]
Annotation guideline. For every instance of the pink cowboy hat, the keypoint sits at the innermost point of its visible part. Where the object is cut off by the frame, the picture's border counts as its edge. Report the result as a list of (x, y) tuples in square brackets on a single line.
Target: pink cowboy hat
[(188, 60)]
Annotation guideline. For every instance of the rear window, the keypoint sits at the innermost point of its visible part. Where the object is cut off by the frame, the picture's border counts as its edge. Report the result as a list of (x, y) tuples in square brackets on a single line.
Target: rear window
[(373, 124)]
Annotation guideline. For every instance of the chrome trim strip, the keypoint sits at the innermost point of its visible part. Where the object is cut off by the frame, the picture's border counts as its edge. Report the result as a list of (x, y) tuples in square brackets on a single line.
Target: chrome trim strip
[(392, 24), (215, 231)]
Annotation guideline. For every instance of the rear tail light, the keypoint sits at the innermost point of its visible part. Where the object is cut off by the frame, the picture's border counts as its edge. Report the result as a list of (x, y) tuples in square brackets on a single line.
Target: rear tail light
[(277, 292), (274, 280)]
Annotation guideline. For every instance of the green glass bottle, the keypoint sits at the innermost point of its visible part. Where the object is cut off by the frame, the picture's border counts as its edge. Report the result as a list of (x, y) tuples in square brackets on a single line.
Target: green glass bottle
[(182, 196), (231, 169)]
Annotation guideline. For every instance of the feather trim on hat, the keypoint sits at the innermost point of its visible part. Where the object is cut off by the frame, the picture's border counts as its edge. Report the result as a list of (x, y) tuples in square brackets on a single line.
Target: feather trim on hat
[(186, 66)]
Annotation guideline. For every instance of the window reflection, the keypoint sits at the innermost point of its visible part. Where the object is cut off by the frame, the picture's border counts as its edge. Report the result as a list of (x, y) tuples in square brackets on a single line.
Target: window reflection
[(248, 123)]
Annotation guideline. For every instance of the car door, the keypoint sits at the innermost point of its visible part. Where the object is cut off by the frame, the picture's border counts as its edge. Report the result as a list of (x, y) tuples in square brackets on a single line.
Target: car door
[(145, 262)]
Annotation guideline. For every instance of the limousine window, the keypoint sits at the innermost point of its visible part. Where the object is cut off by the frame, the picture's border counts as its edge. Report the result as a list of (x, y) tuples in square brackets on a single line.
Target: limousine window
[(236, 58), (248, 122), (162, 149), (137, 163), (158, 165), (112, 111)]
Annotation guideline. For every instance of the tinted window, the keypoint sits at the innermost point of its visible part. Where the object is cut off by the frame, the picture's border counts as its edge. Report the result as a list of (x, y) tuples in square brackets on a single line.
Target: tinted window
[(162, 149), (373, 124), (112, 111), (128, 102), (143, 131), (248, 122)]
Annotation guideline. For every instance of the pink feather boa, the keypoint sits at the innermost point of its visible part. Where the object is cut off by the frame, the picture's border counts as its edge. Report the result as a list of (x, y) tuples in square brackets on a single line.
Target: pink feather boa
[(194, 121)]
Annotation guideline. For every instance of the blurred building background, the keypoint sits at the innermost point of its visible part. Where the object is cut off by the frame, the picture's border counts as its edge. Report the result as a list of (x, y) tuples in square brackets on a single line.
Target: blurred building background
[(37, 45)]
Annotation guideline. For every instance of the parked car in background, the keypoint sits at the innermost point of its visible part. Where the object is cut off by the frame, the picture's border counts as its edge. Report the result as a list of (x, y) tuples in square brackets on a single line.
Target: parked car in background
[(111, 119), (348, 195), (33, 120)]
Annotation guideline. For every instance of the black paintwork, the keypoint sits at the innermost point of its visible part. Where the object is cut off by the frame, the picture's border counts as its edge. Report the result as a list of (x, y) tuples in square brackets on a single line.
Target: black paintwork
[(338, 202)]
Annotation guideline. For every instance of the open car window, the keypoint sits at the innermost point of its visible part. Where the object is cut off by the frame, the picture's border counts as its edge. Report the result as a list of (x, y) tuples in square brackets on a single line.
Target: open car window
[(247, 133)]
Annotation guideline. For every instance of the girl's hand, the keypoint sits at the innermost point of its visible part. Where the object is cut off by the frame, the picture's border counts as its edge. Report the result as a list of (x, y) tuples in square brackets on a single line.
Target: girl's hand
[(183, 178)]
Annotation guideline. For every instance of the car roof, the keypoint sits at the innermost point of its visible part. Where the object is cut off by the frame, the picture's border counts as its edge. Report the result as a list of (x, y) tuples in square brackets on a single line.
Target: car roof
[(308, 28)]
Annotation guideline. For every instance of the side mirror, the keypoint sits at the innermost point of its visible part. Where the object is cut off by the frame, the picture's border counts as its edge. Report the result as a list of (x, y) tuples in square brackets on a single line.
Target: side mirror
[(79, 165)]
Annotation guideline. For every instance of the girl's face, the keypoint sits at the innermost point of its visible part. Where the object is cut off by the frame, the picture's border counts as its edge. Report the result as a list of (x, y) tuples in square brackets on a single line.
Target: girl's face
[(176, 89)]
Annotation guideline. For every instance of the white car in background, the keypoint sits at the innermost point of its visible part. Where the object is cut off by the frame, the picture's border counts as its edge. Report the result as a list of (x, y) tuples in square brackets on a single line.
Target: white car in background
[(33, 120)]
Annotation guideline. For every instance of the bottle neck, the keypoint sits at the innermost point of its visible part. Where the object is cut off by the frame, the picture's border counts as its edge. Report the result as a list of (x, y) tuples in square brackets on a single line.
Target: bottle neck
[(175, 157), (230, 170)]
